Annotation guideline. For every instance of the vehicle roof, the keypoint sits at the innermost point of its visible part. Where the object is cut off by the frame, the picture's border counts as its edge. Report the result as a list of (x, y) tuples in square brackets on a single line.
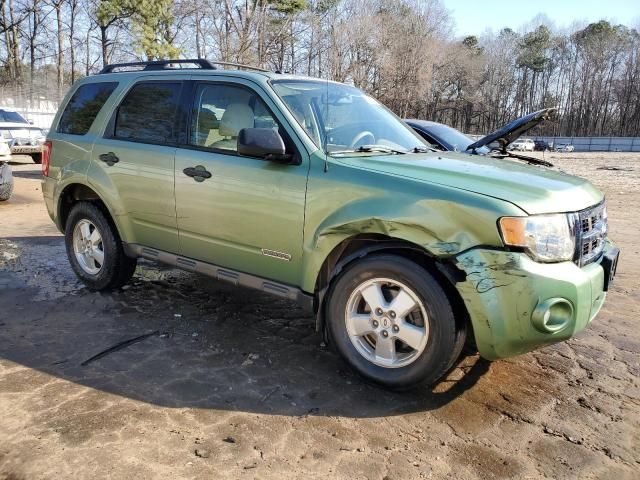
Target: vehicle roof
[(256, 76), (424, 123)]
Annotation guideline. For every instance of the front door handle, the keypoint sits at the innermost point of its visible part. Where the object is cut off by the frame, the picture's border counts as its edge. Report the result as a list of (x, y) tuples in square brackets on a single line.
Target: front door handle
[(198, 173), (109, 158)]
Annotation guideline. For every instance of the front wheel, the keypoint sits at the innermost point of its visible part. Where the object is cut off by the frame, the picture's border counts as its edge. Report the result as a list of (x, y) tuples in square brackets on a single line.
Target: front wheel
[(37, 158), (392, 322), (95, 250)]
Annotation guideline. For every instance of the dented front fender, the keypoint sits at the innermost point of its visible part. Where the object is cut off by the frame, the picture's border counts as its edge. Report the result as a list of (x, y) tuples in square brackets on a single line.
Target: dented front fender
[(346, 202)]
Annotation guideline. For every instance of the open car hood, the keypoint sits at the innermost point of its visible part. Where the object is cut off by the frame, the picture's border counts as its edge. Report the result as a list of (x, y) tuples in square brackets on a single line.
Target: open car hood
[(512, 130)]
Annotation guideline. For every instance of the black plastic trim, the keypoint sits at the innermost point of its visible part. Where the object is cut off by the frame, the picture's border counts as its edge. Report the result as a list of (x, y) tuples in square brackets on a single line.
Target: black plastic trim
[(221, 273)]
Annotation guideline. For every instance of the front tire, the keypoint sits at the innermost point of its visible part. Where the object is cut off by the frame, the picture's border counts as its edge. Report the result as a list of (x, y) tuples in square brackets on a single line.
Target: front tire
[(393, 323), (37, 158), (95, 250)]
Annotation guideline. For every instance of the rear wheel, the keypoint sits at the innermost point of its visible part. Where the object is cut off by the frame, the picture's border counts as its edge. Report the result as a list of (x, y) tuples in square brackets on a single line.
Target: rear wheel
[(5, 191), (95, 250), (392, 322), (6, 182)]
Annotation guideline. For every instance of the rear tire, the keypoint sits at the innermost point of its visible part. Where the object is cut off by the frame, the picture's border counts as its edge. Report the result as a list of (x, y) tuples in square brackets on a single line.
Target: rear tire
[(6, 188), (37, 158), (5, 191), (95, 250), (379, 302)]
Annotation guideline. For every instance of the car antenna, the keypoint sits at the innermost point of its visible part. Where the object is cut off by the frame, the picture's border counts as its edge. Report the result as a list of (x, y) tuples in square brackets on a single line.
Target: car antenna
[(326, 148)]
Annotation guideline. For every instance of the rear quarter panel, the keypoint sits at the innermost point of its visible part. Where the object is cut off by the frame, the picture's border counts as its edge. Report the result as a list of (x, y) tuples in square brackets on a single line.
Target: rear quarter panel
[(71, 155)]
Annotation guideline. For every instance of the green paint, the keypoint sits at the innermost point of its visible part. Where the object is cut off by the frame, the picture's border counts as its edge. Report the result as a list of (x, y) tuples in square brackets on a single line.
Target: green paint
[(445, 203)]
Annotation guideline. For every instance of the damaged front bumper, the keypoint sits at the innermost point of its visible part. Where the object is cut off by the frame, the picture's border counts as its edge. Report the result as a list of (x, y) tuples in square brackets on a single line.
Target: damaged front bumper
[(517, 305)]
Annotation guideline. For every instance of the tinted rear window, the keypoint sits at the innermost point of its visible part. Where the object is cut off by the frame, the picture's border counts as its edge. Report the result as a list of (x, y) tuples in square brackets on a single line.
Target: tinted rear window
[(84, 106), (148, 113)]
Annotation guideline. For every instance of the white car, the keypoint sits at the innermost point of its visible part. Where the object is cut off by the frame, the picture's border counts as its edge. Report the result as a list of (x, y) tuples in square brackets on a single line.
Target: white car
[(6, 179), (565, 147), (23, 138), (523, 145)]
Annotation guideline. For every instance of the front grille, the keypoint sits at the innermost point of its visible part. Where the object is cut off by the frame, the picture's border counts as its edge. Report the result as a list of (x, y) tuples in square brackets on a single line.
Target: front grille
[(590, 226)]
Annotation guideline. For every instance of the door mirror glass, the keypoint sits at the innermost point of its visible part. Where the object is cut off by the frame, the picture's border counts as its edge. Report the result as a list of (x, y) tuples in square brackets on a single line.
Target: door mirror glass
[(265, 143)]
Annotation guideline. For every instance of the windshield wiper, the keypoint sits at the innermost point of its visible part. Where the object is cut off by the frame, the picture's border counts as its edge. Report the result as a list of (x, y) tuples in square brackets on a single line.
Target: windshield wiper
[(424, 149), (369, 149), (379, 148)]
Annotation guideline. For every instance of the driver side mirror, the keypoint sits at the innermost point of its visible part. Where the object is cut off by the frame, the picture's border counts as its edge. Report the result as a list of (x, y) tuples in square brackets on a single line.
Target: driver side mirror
[(264, 143)]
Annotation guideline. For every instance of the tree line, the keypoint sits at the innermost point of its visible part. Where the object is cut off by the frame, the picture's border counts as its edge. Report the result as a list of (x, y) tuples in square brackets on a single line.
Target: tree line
[(402, 52)]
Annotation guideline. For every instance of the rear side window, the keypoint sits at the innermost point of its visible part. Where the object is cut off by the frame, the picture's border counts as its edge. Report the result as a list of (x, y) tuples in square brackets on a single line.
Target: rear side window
[(148, 113), (84, 106)]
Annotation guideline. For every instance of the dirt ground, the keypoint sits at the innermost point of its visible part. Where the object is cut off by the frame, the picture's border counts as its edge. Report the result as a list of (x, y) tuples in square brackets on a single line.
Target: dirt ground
[(236, 384)]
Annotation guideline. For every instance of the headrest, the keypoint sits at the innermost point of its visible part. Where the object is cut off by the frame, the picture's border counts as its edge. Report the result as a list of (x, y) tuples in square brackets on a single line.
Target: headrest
[(236, 117)]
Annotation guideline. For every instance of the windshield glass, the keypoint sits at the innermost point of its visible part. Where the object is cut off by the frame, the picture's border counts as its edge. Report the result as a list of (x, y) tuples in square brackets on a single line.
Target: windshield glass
[(454, 139), (12, 117), (342, 119)]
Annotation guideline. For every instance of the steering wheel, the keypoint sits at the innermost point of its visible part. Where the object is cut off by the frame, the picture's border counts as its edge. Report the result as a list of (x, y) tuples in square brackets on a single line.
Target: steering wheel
[(361, 136)]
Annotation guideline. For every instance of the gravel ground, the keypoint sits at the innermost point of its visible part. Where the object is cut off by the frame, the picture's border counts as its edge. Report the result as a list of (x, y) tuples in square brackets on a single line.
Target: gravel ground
[(236, 384)]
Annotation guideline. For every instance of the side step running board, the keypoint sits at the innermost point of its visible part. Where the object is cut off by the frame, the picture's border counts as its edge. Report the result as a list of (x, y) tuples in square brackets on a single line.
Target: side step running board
[(221, 273)]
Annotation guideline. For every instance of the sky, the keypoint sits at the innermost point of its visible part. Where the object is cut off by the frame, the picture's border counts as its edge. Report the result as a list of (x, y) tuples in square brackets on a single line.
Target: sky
[(473, 17)]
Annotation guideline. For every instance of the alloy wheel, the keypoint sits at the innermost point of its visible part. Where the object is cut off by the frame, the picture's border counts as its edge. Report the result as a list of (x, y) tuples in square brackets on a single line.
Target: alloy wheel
[(88, 247), (387, 322)]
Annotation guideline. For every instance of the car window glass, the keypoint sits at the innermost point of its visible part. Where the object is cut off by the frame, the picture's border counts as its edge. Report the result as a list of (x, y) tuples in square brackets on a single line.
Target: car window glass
[(11, 117), (148, 113), (430, 141), (342, 119), (84, 106), (221, 111)]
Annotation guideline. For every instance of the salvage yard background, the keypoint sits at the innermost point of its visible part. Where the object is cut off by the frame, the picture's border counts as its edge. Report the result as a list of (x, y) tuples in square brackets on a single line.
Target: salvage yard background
[(226, 383), (235, 384), (409, 54)]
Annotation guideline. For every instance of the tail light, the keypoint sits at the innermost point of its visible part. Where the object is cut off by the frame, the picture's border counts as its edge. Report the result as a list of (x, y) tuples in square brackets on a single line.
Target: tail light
[(46, 157)]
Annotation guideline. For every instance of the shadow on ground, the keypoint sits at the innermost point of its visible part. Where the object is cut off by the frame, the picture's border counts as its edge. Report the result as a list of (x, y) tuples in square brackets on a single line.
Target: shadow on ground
[(214, 347)]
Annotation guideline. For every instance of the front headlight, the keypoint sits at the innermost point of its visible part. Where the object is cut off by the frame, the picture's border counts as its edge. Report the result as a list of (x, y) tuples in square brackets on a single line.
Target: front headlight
[(546, 238)]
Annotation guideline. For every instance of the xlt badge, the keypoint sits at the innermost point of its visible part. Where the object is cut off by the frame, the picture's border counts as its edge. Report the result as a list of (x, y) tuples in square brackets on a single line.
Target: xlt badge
[(279, 255)]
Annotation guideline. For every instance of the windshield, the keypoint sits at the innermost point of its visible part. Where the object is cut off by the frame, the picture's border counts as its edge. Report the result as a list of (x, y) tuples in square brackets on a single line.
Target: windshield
[(12, 117), (454, 139), (342, 119)]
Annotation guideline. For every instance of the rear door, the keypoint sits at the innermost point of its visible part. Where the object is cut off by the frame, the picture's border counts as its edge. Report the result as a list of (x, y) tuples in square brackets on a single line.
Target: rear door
[(249, 214), (136, 159)]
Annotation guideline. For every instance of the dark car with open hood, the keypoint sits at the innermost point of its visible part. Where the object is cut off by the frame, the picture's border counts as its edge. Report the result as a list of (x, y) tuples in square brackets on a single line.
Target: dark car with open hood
[(446, 138)]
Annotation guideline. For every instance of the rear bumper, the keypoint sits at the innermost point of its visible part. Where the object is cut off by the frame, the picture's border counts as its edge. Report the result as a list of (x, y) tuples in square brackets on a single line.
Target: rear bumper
[(48, 193), (508, 296)]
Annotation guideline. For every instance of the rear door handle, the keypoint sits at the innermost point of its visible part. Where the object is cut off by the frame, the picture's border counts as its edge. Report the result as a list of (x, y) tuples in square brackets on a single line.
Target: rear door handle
[(198, 173), (109, 158)]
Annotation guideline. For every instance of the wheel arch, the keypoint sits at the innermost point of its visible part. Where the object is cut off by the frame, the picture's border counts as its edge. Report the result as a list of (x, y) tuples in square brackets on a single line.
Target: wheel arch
[(359, 246), (79, 192)]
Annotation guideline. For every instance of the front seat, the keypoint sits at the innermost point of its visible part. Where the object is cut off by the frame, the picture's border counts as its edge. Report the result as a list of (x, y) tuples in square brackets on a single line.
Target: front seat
[(236, 117)]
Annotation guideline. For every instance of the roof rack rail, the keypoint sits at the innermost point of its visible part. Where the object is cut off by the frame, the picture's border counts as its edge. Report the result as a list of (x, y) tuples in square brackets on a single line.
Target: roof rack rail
[(240, 65), (159, 65)]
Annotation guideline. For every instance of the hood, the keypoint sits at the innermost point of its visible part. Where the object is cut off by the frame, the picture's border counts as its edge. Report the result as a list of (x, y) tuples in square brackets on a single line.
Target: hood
[(512, 130), (18, 126), (535, 190)]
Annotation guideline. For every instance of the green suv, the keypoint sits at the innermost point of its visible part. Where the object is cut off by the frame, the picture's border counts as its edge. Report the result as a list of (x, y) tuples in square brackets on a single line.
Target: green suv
[(315, 192)]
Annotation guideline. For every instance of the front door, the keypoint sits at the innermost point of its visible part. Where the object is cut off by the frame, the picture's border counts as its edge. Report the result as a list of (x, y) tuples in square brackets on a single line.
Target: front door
[(243, 213), (136, 159)]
